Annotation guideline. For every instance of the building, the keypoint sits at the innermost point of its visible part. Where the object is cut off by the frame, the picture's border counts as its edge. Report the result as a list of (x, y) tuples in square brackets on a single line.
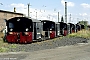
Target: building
[(7, 15)]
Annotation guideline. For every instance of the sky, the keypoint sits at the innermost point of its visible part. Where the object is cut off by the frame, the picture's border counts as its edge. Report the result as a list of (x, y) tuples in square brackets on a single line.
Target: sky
[(48, 9)]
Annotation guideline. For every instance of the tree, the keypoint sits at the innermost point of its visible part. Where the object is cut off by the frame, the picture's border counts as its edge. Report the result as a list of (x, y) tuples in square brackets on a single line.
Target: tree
[(62, 20), (85, 23)]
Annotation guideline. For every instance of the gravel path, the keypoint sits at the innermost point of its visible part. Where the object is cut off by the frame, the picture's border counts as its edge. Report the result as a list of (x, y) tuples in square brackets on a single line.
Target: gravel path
[(48, 44)]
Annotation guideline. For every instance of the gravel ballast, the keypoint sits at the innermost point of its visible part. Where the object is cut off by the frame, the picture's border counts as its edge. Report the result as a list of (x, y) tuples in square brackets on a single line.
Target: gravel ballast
[(48, 44)]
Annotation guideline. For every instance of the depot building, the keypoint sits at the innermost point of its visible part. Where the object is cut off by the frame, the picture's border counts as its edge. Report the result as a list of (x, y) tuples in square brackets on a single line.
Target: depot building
[(7, 15)]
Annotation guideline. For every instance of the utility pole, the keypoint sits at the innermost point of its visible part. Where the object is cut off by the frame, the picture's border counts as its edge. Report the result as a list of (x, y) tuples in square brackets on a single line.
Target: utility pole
[(28, 10), (77, 20), (66, 12), (70, 18), (58, 16), (49, 17), (36, 14)]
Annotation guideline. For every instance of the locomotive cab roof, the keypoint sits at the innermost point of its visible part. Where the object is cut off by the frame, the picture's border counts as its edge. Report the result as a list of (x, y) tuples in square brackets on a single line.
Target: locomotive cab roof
[(47, 21), (35, 20), (57, 23), (23, 19), (71, 23)]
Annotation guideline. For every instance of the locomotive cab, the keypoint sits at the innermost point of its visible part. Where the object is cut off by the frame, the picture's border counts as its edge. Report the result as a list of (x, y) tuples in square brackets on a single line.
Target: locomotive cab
[(23, 30), (48, 29), (68, 28), (19, 30), (82, 26), (63, 28), (72, 28), (37, 28), (57, 27), (78, 27)]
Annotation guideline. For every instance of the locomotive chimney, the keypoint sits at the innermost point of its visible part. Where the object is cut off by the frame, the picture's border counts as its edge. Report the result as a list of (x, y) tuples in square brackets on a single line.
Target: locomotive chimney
[(14, 9)]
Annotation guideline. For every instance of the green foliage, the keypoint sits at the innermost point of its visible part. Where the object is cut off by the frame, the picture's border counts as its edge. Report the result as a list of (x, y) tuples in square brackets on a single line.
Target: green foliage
[(72, 35), (3, 49), (83, 33), (85, 23), (62, 20), (12, 46)]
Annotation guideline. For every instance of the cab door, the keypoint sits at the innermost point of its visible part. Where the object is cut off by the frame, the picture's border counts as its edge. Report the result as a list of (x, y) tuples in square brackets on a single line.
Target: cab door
[(38, 30), (57, 30)]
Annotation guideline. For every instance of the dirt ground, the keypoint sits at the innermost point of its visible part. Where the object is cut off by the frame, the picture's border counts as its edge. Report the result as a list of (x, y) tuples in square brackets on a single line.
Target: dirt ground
[(80, 51)]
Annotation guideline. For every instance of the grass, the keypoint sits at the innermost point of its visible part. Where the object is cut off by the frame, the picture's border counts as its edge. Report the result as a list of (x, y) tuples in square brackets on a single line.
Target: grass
[(82, 33), (4, 47), (1, 35)]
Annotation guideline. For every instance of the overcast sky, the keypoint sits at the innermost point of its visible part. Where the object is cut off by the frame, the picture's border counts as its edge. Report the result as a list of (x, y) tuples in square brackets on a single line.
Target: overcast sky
[(48, 9)]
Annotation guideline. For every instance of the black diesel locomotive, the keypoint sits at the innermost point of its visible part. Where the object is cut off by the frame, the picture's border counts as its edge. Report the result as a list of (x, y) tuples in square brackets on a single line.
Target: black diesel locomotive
[(27, 30)]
